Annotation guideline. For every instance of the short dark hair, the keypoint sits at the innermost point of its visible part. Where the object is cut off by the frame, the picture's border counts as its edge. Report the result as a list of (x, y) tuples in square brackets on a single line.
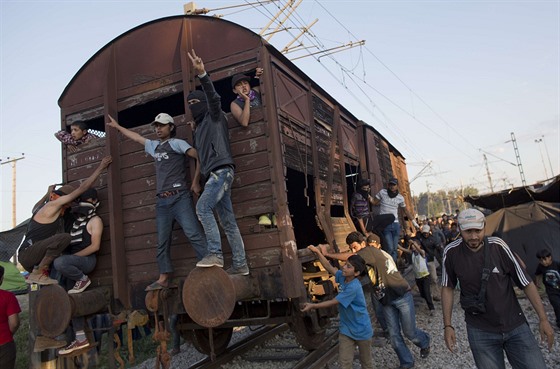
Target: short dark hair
[(354, 237), (81, 125), (544, 253), (1, 272), (358, 263)]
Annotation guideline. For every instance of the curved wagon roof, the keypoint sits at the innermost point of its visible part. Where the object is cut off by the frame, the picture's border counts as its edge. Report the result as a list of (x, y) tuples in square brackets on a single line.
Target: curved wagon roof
[(153, 55)]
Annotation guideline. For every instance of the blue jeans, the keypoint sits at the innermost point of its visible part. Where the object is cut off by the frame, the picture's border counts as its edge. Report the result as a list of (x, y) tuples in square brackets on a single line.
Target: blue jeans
[(181, 209), (521, 348), (217, 197), (74, 267), (391, 235), (400, 312)]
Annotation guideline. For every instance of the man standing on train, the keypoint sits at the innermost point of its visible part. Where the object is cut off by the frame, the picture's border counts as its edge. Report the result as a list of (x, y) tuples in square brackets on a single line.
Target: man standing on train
[(390, 200), (211, 139), (174, 200)]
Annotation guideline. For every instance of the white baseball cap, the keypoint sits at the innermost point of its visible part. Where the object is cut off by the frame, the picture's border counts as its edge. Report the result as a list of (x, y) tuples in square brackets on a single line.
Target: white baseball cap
[(163, 118), (425, 228), (471, 219)]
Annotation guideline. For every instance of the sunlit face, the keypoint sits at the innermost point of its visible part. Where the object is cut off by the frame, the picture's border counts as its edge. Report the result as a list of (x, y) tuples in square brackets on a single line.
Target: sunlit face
[(77, 133), (242, 87), (546, 261), (163, 131), (473, 237)]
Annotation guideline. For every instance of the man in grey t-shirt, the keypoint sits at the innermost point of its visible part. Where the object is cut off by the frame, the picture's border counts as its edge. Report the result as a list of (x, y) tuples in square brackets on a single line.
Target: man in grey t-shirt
[(174, 198)]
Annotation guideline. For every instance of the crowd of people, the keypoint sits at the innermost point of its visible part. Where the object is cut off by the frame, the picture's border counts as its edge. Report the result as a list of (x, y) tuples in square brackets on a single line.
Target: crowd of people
[(445, 253), (450, 253)]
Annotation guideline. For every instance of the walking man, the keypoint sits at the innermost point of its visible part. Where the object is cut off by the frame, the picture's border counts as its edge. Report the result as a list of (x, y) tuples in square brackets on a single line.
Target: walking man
[(495, 321)]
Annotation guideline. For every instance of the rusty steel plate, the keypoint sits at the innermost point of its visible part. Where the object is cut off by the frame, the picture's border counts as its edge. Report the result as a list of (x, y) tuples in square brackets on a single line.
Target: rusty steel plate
[(151, 300), (53, 310), (209, 296)]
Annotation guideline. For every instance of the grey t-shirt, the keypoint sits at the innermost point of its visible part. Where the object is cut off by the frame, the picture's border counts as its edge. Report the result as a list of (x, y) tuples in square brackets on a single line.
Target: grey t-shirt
[(170, 161)]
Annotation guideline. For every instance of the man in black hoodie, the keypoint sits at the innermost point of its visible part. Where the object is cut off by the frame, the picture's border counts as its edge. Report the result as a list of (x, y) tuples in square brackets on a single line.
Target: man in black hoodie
[(211, 140)]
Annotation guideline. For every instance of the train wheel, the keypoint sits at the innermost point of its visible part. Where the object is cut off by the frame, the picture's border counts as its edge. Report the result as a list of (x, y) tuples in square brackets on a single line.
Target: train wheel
[(200, 339), (308, 334)]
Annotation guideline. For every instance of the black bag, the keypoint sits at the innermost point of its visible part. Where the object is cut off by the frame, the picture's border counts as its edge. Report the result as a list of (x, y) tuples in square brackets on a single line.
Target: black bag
[(476, 304)]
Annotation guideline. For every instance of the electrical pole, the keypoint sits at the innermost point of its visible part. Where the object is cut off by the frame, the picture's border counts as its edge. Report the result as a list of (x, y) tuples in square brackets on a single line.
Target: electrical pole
[(542, 157), (518, 158), (548, 156), (13, 161), (488, 172)]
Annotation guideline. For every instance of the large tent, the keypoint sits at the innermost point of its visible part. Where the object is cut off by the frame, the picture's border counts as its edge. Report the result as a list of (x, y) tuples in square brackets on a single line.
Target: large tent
[(527, 228), (9, 242)]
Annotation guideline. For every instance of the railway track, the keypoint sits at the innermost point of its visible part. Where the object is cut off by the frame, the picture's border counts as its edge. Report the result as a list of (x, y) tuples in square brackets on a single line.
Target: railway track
[(274, 346)]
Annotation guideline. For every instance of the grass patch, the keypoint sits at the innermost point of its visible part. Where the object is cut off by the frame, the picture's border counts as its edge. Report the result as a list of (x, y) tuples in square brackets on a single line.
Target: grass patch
[(144, 348)]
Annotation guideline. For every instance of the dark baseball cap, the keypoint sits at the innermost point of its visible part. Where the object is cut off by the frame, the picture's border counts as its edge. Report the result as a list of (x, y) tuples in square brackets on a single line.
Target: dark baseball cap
[(393, 180)]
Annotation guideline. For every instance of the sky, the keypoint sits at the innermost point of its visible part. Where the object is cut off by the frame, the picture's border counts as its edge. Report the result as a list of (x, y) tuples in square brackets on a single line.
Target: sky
[(444, 81)]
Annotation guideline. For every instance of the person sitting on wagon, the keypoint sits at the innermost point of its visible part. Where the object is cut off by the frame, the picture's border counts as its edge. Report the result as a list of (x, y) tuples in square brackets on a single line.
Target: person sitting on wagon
[(78, 135), (174, 198), (43, 241), (247, 97), (79, 258)]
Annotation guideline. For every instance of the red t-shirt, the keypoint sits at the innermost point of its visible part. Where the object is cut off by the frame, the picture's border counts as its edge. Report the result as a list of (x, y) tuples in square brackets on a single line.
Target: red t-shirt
[(8, 306)]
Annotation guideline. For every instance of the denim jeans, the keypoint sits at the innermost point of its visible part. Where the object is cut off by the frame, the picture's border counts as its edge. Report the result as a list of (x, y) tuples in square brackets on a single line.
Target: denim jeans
[(521, 348), (181, 209), (391, 235), (74, 267), (400, 312), (217, 197)]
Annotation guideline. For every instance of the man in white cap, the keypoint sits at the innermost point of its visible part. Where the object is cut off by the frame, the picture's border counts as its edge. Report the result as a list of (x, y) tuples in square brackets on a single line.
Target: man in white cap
[(494, 319), (174, 198)]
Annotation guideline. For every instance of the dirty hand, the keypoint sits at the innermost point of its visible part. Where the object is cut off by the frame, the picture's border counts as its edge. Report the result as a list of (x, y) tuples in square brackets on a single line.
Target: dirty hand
[(547, 333), (450, 341), (112, 122), (197, 63), (314, 249), (306, 307), (106, 161)]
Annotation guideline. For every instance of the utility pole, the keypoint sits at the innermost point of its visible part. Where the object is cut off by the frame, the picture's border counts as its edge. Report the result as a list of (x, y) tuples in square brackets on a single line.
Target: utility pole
[(428, 194), (542, 157), (548, 156), (488, 172), (518, 158), (13, 161)]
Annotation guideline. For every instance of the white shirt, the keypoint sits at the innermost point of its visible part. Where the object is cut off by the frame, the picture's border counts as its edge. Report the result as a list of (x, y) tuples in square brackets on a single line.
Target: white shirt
[(390, 205)]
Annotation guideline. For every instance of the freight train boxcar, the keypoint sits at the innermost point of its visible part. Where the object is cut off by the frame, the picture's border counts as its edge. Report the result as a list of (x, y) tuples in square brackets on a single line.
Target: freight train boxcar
[(297, 161)]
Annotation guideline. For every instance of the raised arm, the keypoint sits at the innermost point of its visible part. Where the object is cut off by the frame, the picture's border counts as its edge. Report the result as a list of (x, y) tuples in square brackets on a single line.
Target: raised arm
[(127, 132), (332, 270)]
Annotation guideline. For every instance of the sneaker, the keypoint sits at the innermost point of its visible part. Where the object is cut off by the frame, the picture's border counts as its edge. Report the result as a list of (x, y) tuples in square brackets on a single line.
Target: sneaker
[(80, 286), (210, 261), (244, 270), (425, 352), (40, 277), (74, 346)]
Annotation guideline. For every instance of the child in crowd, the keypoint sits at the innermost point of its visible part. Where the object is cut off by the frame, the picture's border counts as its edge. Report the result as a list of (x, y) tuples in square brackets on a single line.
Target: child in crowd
[(78, 135), (549, 271), (355, 325), (421, 272)]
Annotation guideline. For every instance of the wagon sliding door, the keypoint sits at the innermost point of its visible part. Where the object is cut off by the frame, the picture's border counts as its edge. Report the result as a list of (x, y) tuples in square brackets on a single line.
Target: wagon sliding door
[(310, 138)]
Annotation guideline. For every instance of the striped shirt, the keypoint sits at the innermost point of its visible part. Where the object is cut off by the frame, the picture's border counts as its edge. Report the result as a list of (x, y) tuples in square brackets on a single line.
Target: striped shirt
[(464, 267)]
